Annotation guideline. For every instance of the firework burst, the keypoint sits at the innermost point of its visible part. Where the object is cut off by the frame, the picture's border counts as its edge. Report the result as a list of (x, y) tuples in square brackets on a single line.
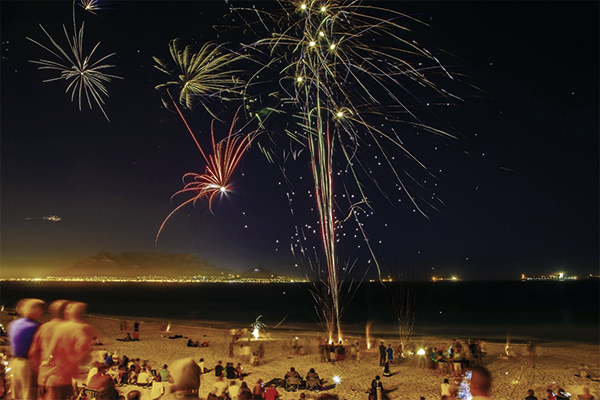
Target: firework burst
[(84, 77), (344, 70), (199, 76), (220, 166)]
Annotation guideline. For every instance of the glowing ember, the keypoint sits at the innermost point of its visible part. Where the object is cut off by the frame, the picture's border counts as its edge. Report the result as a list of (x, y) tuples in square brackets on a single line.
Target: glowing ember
[(368, 331)]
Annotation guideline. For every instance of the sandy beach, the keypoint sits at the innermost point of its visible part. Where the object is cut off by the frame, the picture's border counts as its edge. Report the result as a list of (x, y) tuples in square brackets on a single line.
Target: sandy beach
[(555, 363)]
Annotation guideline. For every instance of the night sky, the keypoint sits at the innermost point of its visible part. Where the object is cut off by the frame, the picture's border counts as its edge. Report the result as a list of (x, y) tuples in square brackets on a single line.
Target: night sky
[(516, 193)]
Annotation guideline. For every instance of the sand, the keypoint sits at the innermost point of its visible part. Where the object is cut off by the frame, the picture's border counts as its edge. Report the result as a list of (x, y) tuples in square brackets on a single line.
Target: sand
[(556, 363)]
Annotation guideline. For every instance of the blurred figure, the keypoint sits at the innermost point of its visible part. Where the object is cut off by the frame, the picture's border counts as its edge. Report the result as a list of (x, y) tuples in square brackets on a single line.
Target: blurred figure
[(530, 395), (586, 394), (21, 333), (103, 384), (481, 383), (186, 379), (64, 346)]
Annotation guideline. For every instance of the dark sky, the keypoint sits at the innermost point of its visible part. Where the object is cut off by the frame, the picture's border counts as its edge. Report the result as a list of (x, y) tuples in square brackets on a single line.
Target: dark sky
[(518, 193)]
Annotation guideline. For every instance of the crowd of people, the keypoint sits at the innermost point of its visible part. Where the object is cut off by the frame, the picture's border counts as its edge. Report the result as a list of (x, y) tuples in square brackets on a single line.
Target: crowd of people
[(46, 358)]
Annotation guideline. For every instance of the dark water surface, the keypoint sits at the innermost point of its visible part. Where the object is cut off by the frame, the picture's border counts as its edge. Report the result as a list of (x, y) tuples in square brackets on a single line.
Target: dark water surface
[(542, 311)]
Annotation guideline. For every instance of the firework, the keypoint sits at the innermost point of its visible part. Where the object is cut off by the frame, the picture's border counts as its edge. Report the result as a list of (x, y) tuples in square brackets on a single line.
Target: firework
[(257, 327), (220, 165), (345, 70), (199, 76), (84, 77)]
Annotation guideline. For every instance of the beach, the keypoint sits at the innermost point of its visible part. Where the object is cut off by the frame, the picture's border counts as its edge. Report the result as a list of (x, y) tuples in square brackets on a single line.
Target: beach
[(554, 363)]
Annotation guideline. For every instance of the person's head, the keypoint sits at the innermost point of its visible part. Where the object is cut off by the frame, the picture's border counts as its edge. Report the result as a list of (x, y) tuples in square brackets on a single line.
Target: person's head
[(377, 378), (30, 308), (74, 310), (134, 395), (530, 392), (57, 308), (102, 368), (327, 396), (585, 390), (445, 380), (292, 369), (302, 396), (481, 381), (186, 375), (165, 366), (312, 370), (202, 360), (244, 385)]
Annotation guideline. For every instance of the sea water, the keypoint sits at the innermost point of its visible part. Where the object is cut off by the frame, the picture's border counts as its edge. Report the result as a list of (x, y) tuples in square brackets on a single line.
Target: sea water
[(541, 311)]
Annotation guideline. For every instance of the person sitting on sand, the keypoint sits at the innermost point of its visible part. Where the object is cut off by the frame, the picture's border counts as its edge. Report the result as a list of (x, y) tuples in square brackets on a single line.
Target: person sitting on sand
[(446, 388), (292, 378), (313, 381), (164, 373), (103, 384), (376, 392), (245, 392), (233, 391), (530, 395), (271, 393), (219, 369), (586, 394), (133, 376), (190, 343), (186, 380), (258, 392), (220, 387), (386, 369)]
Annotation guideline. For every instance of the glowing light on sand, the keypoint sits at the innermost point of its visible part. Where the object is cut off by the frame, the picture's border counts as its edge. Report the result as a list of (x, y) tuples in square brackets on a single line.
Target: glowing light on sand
[(368, 335), (168, 327), (337, 380), (421, 352)]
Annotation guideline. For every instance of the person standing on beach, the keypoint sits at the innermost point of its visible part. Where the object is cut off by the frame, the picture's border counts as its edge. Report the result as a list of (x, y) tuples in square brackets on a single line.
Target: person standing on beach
[(21, 333), (481, 383), (382, 354), (67, 347), (390, 354)]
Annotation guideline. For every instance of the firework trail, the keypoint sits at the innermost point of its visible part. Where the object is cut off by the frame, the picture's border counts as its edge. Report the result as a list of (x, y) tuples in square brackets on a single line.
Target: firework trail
[(220, 165), (84, 76), (341, 69)]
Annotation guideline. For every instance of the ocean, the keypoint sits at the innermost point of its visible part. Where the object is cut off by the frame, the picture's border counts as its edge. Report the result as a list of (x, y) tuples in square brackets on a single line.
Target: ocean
[(541, 311)]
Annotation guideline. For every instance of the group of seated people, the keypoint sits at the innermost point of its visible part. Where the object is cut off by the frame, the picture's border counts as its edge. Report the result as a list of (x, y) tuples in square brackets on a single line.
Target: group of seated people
[(311, 382), (192, 343)]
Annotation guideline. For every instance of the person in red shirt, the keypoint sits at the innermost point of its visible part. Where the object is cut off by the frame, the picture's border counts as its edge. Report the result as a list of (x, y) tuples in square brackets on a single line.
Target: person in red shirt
[(271, 393)]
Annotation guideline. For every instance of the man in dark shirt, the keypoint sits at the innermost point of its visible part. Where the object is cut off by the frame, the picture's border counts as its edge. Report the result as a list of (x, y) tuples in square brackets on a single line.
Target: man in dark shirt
[(219, 369), (382, 354), (530, 395)]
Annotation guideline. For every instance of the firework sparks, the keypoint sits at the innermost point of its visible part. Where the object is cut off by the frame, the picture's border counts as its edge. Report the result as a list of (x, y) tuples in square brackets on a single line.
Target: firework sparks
[(84, 77), (220, 165), (199, 75), (344, 68)]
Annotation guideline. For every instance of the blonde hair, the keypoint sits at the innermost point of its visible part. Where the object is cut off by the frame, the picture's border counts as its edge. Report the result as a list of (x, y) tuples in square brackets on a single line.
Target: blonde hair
[(29, 307)]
